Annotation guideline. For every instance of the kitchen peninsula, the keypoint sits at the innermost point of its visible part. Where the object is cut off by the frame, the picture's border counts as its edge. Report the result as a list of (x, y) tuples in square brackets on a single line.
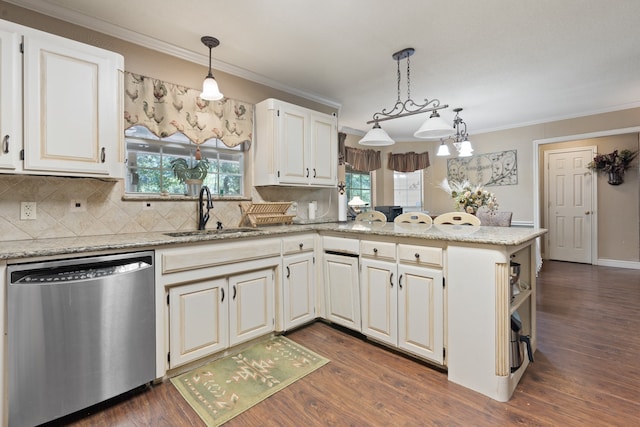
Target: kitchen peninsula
[(462, 271)]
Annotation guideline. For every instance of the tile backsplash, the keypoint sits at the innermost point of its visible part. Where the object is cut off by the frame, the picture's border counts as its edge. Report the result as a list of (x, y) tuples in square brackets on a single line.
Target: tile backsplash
[(103, 211)]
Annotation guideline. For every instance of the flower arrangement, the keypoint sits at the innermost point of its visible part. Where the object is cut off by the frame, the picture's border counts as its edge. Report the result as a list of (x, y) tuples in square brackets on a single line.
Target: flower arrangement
[(613, 162), (470, 197)]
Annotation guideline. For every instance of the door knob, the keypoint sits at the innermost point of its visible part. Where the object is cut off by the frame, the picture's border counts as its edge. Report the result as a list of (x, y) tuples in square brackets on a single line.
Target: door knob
[(587, 213)]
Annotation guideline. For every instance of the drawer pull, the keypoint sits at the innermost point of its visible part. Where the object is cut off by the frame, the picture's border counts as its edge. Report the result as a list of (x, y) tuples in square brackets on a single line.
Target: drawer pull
[(222, 289), (375, 250), (234, 292), (301, 245), (288, 272), (391, 280), (417, 255), (5, 144), (400, 281)]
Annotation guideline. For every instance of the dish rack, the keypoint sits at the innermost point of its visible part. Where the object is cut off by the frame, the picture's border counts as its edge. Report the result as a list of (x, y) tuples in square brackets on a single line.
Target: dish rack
[(265, 213)]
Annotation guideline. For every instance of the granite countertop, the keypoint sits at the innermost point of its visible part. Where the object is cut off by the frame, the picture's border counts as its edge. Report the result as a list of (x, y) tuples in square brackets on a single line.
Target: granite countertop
[(510, 236)]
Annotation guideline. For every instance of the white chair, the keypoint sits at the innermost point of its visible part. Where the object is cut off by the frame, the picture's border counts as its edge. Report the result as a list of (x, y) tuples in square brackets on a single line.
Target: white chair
[(413, 218), (457, 218), (495, 218), (371, 216)]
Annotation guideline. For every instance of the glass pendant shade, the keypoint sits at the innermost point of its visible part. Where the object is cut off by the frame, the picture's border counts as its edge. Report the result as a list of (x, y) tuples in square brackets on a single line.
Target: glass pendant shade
[(210, 90), (376, 137), (434, 128), (465, 149), (443, 150)]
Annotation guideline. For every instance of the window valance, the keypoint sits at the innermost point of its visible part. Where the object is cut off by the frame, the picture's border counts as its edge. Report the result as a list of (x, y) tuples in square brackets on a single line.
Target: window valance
[(363, 160), (408, 162), (166, 108)]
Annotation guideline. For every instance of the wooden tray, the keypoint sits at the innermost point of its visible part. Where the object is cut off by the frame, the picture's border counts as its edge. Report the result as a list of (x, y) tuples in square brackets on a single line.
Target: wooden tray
[(265, 213)]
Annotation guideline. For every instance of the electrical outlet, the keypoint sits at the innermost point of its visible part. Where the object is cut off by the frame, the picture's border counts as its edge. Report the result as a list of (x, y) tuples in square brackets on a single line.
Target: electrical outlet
[(147, 206), (78, 205), (27, 210)]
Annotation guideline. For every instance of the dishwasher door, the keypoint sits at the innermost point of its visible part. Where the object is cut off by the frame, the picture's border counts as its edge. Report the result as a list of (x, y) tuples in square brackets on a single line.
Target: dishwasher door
[(80, 331)]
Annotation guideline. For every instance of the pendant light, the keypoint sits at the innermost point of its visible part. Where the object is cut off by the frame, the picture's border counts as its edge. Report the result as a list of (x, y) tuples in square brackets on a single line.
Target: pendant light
[(210, 90), (433, 128), (460, 139)]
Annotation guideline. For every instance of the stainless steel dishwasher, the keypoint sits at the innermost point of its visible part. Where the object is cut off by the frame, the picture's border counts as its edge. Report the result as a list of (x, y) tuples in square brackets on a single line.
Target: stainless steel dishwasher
[(80, 331)]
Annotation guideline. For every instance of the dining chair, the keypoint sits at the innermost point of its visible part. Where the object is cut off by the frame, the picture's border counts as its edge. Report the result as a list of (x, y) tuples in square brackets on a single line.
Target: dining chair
[(457, 218), (495, 218), (371, 216), (413, 218)]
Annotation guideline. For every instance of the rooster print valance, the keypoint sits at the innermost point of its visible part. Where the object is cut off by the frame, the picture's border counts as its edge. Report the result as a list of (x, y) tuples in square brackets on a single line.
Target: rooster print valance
[(166, 108)]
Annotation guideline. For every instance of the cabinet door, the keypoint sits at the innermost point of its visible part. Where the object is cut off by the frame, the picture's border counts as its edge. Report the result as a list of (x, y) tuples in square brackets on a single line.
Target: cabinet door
[(198, 316), (293, 127), (379, 300), (299, 289), (323, 148), (421, 312), (72, 118), (342, 289), (10, 100), (251, 307)]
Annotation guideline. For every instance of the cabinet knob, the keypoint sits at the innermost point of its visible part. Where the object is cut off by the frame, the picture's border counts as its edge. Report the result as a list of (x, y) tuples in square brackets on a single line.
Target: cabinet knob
[(301, 245), (417, 255), (375, 250)]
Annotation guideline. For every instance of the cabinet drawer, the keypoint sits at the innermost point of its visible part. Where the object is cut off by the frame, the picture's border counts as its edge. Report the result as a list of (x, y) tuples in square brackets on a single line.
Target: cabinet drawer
[(420, 255), (297, 244), (201, 256), (378, 250), (340, 244)]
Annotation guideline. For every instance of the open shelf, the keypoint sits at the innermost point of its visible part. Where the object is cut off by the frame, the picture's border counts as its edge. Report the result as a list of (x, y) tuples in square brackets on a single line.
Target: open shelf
[(518, 300)]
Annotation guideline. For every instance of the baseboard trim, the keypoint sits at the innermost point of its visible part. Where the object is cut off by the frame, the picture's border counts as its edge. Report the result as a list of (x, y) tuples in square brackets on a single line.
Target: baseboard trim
[(618, 263)]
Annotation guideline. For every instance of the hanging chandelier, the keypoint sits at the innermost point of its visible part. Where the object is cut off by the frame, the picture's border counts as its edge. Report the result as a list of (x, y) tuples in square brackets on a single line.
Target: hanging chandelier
[(460, 139), (433, 128), (210, 90)]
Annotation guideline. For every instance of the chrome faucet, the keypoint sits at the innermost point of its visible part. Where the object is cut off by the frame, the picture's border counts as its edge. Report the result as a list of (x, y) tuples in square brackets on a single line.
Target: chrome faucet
[(204, 217)]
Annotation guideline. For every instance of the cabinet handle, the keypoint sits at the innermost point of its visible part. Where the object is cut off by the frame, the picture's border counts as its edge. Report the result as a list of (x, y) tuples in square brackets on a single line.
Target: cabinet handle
[(417, 255), (288, 272), (234, 293), (375, 250), (307, 172), (391, 280), (222, 289), (314, 172), (400, 281), (103, 154), (301, 245), (5, 144)]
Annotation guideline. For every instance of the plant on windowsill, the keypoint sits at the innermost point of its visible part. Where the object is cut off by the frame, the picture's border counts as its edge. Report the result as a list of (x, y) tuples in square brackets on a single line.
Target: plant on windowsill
[(614, 164), (191, 176)]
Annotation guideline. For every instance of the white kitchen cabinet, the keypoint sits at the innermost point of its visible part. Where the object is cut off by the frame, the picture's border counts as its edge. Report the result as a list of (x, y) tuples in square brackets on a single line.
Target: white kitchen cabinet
[(10, 100), (251, 305), (342, 289), (402, 305), (294, 146), (198, 320), (72, 102), (298, 281)]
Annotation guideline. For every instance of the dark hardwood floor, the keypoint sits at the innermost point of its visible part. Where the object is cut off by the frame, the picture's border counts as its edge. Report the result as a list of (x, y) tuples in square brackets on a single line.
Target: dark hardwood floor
[(586, 372)]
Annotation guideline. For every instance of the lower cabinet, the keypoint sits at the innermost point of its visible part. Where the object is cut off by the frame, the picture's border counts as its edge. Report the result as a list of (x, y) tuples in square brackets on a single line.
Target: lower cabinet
[(342, 290), (210, 315), (298, 289), (402, 305)]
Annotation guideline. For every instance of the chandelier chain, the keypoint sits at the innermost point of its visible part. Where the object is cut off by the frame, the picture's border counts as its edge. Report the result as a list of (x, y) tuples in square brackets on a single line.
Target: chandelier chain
[(408, 77), (398, 61)]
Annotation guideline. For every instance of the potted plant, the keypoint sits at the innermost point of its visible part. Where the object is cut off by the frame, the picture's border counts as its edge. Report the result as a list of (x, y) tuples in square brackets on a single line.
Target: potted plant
[(470, 197), (191, 176), (614, 164)]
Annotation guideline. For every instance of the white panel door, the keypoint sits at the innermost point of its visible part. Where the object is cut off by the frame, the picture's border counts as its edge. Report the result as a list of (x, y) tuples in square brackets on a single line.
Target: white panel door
[(570, 205), (421, 312), (71, 107), (293, 127), (197, 320), (251, 305), (10, 100), (299, 289), (342, 290), (379, 300), (324, 150)]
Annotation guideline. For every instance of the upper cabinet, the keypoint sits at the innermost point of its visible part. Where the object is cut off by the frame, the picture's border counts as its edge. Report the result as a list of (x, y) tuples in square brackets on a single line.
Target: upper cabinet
[(294, 146), (10, 100), (71, 103)]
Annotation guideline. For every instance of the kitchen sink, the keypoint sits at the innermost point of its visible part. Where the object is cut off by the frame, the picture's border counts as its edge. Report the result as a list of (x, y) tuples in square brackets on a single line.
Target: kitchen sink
[(209, 232)]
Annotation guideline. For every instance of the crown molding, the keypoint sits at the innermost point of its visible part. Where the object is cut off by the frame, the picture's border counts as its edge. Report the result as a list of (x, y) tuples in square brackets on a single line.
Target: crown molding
[(125, 34)]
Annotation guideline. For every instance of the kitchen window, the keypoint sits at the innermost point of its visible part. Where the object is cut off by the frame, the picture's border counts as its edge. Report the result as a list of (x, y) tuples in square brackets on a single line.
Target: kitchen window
[(358, 184), (407, 190), (149, 164)]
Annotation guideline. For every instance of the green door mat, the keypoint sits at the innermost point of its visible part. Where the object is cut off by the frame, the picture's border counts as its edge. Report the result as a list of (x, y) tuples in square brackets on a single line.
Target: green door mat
[(220, 390)]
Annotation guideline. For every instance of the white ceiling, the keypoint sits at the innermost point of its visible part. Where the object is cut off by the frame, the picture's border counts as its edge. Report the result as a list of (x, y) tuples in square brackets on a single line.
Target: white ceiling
[(506, 62)]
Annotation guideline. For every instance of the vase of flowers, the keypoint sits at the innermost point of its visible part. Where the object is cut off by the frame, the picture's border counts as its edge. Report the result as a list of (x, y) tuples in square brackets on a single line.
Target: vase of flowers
[(470, 197), (614, 164)]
